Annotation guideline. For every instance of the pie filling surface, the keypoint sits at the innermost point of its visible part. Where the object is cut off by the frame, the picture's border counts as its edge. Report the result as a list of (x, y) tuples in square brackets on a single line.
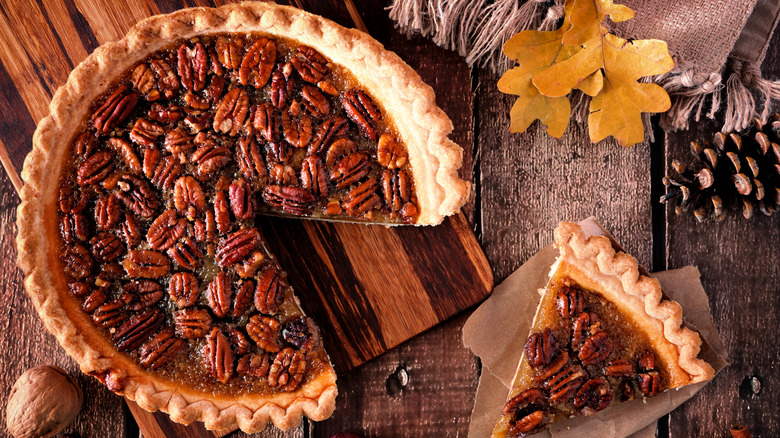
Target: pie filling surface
[(582, 356), (157, 204)]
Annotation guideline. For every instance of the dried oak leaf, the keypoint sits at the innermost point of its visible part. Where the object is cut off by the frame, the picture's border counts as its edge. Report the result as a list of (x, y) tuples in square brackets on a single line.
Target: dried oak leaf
[(617, 106), (534, 52)]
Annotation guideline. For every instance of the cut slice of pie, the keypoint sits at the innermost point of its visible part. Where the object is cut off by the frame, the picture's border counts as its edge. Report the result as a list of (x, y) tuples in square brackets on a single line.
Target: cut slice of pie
[(136, 228), (603, 334)]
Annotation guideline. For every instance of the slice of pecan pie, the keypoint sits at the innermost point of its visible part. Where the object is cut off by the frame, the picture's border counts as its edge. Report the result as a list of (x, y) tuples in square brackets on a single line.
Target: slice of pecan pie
[(136, 228), (603, 334)]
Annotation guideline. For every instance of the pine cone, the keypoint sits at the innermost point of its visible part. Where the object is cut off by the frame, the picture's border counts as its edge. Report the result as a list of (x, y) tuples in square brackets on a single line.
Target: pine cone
[(738, 169)]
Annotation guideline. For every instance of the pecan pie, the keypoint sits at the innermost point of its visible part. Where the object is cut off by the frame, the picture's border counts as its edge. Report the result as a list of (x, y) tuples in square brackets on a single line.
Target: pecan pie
[(136, 229), (603, 334)]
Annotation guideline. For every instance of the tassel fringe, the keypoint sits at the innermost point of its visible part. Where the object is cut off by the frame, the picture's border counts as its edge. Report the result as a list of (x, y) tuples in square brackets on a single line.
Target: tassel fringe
[(478, 29)]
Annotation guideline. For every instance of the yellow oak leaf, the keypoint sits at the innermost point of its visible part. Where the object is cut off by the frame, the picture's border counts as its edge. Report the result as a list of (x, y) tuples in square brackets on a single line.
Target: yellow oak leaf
[(534, 52), (617, 109), (586, 18)]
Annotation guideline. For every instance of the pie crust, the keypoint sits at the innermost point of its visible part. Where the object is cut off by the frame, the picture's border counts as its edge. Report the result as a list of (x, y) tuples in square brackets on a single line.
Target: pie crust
[(434, 160), (633, 302)]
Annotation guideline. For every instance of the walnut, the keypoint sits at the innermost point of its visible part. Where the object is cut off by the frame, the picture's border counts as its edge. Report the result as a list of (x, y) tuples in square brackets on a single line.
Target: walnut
[(43, 401)]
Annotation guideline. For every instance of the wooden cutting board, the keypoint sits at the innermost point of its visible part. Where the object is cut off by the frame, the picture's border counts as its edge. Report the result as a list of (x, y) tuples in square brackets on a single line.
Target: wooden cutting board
[(370, 288)]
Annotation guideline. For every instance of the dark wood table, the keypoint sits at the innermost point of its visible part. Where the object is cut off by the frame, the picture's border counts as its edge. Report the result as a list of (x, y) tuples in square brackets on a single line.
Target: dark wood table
[(524, 185)]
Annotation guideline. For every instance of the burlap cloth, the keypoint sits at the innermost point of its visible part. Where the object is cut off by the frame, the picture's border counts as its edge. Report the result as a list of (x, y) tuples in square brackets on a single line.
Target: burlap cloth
[(718, 45)]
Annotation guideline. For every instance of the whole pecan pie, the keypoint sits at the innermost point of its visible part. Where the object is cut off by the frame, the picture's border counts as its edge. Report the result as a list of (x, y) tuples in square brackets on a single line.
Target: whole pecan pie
[(136, 228), (603, 334)]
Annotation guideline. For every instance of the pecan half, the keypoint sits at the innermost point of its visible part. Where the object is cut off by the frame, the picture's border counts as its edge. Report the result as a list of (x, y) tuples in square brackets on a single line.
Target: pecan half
[(221, 211), (138, 329), (218, 357), (231, 112), (396, 189), (310, 64), (229, 52), (327, 87), (166, 114), (390, 153), (78, 262), (137, 196), (193, 66), (362, 111), (264, 330), (110, 314), (146, 133), (243, 299), (301, 332), (183, 289), (84, 145), (595, 349), (619, 368), (167, 81), (338, 149), (249, 159), (288, 370), (293, 200), (362, 198), (269, 293), (161, 171), (241, 199), (527, 411), (331, 129), (264, 121), (115, 109), (564, 384), (146, 264), (281, 85), (178, 141), (79, 289), (209, 156), (106, 247), (569, 302), (206, 230), (583, 325), (313, 176), (238, 341), (108, 213), (593, 396), (139, 295), (74, 227), (649, 383), (350, 170), (127, 153), (314, 101), (143, 80), (255, 365), (278, 151), (237, 246), (257, 63), (166, 230), (95, 168), (540, 348), (220, 294), (192, 323), (283, 175), (214, 91), (110, 272), (159, 350), (297, 131), (188, 197), (559, 363), (195, 102), (187, 254), (647, 361), (94, 300)]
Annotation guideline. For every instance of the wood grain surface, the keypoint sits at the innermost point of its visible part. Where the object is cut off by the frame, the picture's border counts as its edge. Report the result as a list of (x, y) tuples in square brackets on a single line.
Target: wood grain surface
[(524, 184)]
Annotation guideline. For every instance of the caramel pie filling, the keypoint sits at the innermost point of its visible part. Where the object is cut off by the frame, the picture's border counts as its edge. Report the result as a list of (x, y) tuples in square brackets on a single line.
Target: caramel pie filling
[(157, 205)]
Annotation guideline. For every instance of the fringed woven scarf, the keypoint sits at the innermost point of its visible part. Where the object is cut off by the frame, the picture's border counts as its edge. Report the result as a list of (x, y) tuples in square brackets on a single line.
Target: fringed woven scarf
[(709, 40)]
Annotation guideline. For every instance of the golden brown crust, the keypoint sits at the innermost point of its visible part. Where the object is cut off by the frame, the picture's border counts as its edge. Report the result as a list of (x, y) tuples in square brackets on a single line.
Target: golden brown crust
[(422, 125), (594, 263)]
